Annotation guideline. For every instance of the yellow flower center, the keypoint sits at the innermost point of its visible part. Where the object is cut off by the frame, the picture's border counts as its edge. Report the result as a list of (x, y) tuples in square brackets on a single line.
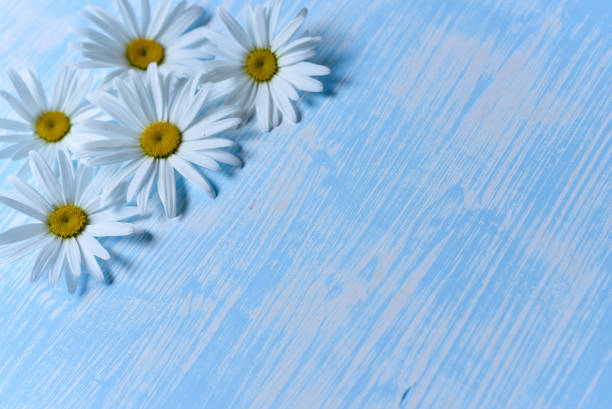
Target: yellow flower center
[(67, 221), (160, 139), (261, 65), (142, 52), (52, 126)]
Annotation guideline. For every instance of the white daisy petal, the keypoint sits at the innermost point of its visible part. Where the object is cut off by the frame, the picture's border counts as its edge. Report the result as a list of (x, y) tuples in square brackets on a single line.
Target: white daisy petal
[(154, 81), (224, 157), (142, 175), (281, 100), (178, 23), (109, 129), (192, 39), (119, 177), (20, 109), (127, 153), (224, 43), (205, 128), (133, 101), (166, 188), (44, 259), (91, 264), (21, 233), (106, 22), (84, 177), (145, 101), (201, 159), (22, 89), (119, 72), (215, 115), (274, 9), (300, 44), (142, 200), (23, 208), (310, 69), (182, 94), (29, 193), (249, 17), (37, 89), (13, 252), (113, 107), (58, 87), (263, 106), (295, 57), (145, 13), (73, 104), (113, 215), (195, 107), (283, 86), (159, 19), (206, 143), (101, 42), (89, 243), (58, 265), (129, 17), (110, 229), (289, 31), (191, 174), (301, 82), (15, 125), (45, 178), (73, 255), (71, 281), (66, 177), (18, 151), (12, 138), (235, 29), (261, 29)]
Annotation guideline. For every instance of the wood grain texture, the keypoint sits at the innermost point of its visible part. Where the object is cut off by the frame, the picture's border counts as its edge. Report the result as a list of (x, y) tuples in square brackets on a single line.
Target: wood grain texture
[(435, 233)]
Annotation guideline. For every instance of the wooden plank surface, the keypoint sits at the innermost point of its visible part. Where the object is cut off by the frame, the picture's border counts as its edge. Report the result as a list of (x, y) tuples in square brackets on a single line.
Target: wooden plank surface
[(435, 233)]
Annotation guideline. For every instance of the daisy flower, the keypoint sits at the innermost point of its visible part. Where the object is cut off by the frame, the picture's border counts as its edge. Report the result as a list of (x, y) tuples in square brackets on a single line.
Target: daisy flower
[(47, 126), (69, 216), (261, 67), (159, 130), (130, 43)]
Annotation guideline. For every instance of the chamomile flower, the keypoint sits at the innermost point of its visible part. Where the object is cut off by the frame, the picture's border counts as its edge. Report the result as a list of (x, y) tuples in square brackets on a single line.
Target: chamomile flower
[(159, 130), (69, 216), (131, 43), (262, 67), (47, 126)]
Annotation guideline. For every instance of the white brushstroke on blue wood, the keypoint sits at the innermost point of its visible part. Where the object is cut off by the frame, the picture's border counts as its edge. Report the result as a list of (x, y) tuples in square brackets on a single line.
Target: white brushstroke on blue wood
[(436, 233)]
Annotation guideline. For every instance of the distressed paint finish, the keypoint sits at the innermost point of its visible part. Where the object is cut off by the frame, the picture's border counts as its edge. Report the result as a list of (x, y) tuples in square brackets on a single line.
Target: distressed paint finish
[(435, 233)]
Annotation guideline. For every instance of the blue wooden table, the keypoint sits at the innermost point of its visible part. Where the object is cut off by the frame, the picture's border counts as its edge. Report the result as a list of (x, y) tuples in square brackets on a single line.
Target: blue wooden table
[(435, 233)]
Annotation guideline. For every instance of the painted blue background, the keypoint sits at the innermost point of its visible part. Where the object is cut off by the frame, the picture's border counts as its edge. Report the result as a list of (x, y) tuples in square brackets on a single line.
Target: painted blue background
[(435, 233)]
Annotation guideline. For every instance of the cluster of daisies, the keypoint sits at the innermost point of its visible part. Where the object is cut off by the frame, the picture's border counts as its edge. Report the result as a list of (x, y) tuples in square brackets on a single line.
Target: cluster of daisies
[(170, 89)]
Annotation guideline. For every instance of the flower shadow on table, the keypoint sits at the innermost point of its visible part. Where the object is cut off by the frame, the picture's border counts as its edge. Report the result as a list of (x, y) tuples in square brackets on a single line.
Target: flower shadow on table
[(117, 261), (334, 53), (185, 190)]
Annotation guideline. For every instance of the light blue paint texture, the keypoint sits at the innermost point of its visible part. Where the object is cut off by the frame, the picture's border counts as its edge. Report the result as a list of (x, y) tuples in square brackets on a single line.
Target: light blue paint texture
[(438, 228)]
